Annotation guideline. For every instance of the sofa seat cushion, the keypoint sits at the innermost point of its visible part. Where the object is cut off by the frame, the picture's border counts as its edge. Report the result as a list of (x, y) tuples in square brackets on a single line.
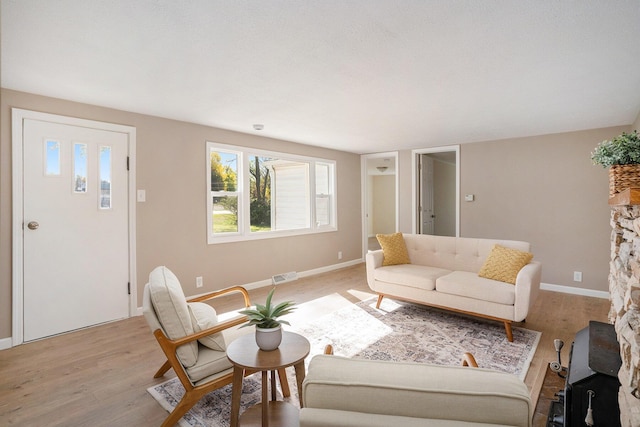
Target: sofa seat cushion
[(470, 285), (415, 276)]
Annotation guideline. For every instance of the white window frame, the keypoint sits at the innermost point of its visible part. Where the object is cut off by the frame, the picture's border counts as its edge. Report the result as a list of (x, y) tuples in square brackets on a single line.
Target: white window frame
[(244, 232)]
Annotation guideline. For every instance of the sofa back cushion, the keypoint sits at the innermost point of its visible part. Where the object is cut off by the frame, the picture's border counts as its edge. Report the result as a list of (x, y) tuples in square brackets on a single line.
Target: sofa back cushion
[(454, 253)]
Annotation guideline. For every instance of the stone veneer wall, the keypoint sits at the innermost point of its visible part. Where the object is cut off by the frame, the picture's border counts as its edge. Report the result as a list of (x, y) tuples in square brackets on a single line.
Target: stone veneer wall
[(624, 288)]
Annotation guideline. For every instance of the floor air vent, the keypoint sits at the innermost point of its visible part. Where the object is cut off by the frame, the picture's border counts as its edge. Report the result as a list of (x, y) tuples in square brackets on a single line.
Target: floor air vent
[(284, 277)]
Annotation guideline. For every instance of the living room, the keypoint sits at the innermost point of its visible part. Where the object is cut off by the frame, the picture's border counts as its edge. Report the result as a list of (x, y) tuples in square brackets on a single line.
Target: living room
[(531, 176)]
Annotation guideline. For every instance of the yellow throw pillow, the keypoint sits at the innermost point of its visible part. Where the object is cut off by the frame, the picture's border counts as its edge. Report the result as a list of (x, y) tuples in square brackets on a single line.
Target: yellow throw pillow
[(394, 250), (503, 264)]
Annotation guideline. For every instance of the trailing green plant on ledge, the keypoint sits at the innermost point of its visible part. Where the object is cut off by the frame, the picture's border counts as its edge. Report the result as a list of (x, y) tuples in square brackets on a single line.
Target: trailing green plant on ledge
[(622, 150), (266, 316)]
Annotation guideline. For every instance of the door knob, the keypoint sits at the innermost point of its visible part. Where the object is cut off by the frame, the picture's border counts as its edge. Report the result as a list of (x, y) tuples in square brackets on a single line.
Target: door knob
[(33, 225)]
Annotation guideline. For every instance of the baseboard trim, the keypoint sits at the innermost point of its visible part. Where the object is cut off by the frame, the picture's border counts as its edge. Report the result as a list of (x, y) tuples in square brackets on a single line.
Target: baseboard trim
[(6, 343), (301, 274), (575, 291)]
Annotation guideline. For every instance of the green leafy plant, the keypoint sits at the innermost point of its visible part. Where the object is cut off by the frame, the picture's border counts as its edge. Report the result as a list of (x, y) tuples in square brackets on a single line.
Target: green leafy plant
[(622, 150), (266, 316)]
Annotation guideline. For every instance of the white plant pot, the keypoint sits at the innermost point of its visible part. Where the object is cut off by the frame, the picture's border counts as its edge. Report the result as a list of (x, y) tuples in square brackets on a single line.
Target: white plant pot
[(268, 339)]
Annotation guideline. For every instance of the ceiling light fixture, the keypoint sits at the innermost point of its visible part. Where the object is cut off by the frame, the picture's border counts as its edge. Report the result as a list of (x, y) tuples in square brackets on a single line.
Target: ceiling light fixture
[(258, 126), (382, 168)]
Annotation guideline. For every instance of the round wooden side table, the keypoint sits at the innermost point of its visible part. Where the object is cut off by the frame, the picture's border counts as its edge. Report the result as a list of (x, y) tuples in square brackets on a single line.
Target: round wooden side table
[(245, 355)]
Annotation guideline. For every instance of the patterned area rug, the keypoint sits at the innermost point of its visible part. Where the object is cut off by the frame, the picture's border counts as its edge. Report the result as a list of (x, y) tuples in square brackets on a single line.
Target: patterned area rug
[(398, 331)]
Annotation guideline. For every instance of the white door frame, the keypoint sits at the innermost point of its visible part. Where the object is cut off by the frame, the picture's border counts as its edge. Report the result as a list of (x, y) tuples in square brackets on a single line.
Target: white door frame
[(364, 192), (414, 183), (17, 119)]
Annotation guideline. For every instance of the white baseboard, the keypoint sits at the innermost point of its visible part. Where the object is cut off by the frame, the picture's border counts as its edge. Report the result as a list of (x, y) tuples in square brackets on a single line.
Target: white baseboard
[(575, 291), (301, 274), (267, 282), (6, 343)]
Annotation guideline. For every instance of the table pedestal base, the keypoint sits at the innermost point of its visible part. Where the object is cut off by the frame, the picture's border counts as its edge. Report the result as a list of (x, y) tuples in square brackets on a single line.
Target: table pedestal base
[(281, 413)]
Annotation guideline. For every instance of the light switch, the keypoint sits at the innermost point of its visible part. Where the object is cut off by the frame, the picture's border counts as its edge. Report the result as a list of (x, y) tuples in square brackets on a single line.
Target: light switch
[(142, 196), (469, 198)]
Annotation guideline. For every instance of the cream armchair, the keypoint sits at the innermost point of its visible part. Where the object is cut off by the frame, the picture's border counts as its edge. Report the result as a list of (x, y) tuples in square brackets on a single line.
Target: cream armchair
[(192, 338)]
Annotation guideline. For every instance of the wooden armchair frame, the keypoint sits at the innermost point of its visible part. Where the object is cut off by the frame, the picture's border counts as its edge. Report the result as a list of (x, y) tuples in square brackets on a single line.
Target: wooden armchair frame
[(193, 393), (469, 360)]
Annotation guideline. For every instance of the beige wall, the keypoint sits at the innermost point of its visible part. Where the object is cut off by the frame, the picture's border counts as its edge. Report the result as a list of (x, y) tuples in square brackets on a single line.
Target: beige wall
[(543, 190), (171, 224), (383, 207), (636, 124)]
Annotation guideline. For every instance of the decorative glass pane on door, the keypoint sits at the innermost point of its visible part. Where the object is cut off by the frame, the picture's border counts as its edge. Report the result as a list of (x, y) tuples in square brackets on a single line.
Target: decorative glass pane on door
[(79, 168), (52, 158), (105, 177)]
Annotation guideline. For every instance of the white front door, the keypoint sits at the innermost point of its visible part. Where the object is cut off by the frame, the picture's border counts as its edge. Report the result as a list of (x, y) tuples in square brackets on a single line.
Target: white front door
[(75, 227)]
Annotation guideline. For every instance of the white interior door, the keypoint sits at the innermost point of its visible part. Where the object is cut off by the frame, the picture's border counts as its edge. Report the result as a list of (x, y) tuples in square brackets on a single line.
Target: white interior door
[(427, 212), (75, 227)]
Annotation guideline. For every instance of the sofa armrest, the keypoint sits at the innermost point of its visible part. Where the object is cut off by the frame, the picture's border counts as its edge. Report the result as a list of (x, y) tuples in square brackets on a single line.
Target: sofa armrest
[(373, 260), (527, 288), (416, 390)]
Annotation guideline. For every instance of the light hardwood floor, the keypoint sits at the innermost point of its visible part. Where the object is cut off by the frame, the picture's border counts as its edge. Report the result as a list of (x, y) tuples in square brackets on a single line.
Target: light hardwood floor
[(99, 376)]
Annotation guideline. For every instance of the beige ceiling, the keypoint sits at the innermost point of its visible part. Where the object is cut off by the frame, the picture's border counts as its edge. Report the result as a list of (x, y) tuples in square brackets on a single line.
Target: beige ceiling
[(362, 76)]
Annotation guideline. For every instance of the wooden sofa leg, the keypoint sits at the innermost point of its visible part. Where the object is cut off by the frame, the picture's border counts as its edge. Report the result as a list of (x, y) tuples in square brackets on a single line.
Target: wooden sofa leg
[(507, 328), (379, 300)]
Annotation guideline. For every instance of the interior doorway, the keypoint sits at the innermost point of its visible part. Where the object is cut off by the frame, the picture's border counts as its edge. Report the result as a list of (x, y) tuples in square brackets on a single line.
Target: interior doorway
[(379, 197), (436, 207)]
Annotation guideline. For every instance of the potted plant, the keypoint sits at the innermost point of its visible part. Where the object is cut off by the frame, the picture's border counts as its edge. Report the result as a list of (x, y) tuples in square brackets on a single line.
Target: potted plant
[(622, 156), (267, 322)]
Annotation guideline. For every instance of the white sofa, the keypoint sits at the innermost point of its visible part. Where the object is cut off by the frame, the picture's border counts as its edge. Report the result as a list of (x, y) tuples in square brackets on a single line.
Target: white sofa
[(443, 272), (344, 392)]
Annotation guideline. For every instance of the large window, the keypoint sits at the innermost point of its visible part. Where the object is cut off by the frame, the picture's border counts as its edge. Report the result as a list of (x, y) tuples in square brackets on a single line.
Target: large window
[(257, 194)]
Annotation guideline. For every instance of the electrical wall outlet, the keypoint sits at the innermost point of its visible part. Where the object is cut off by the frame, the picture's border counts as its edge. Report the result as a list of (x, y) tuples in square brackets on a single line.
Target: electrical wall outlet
[(577, 276), (199, 282), (339, 254)]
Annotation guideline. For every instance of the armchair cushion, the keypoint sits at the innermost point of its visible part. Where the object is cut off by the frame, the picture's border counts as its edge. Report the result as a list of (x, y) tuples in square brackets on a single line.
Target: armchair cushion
[(170, 306), (203, 316), (210, 362)]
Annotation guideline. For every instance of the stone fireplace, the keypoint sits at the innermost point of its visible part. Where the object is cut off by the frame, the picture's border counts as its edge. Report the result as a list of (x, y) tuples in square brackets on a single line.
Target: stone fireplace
[(624, 288)]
